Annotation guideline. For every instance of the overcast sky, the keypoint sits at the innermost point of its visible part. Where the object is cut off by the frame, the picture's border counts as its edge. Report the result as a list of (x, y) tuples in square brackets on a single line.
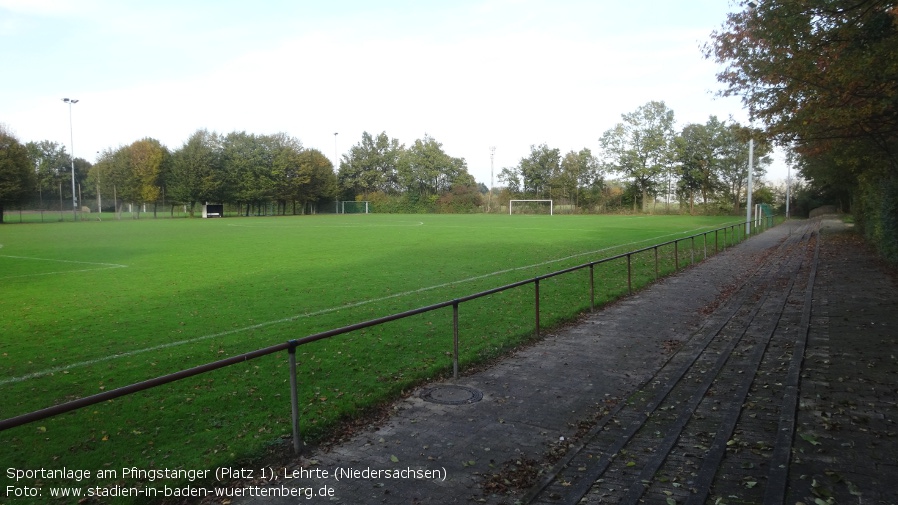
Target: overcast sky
[(471, 74)]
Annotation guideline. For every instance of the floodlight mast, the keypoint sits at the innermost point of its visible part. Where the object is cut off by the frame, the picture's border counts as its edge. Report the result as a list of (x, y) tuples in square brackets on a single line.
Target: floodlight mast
[(489, 201), (751, 152), (788, 188), (72, 101)]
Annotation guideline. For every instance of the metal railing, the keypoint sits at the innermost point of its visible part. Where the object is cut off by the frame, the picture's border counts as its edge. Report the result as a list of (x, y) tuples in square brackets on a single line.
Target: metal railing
[(731, 235)]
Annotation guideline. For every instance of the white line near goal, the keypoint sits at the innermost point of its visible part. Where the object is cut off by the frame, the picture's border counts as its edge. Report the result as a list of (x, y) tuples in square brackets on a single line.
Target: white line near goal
[(551, 205)]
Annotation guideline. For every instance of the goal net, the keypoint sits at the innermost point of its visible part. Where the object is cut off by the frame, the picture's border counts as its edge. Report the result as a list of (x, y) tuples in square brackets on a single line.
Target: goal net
[(531, 207), (352, 207)]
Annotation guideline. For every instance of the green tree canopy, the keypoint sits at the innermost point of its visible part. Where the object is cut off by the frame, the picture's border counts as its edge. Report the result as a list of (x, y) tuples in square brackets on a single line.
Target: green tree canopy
[(196, 170), (538, 170), (52, 165), (17, 179), (427, 171), (371, 166), (817, 72), (580, 175), (149, 162), (641, 147)]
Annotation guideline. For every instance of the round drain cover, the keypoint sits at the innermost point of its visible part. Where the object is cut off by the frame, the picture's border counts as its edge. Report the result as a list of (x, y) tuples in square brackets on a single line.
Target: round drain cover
[(450, 394)]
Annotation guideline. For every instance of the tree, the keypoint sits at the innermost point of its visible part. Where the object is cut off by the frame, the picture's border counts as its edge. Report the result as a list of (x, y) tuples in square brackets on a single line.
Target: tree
[(371, 166), (461, 199), (511, 178), (196, 170), (733, 160), (115, 167), (17, 179), (817, 72), (322, 184), (699, 149), (247, 162), (426, 171), (52, 165), (289, 175), (538, 170), (580, 175), (641, 147), (823, 76), (149, 160), (320, 181)]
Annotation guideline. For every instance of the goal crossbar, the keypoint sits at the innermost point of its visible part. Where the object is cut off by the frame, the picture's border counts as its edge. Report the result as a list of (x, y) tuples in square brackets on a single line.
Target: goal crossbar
[(550, 202)]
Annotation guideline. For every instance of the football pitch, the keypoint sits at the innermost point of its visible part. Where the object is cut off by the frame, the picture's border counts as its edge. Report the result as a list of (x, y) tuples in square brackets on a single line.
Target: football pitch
[(93, 306)]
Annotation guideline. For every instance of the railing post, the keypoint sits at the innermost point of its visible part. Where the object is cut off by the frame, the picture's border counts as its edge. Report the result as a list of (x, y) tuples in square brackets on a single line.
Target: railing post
[(536, 306), (692, 252), (455, 339), (676, 255), (725, 239), (705, 237), (294, 398), (656, 263), (592, 288), (629, 275), (716, 235)]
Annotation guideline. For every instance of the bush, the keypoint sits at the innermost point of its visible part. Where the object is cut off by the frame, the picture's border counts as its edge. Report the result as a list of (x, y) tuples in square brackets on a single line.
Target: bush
[(877, 212)]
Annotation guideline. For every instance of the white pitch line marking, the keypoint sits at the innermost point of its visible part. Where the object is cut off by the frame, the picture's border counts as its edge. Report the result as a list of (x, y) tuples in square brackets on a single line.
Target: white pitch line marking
[(42, 373), (100, 266), (366, 225)]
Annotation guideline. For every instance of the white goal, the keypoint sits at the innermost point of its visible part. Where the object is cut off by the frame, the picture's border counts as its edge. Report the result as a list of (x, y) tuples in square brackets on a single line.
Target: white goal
[(352, 207), (531, 206)]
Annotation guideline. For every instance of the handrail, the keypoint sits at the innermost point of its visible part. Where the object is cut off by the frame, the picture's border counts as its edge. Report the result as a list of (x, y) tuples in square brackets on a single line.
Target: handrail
[(291, 345)]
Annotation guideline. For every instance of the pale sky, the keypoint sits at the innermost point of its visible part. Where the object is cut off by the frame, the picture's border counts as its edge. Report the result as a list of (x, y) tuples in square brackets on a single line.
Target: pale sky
[(470, 73)]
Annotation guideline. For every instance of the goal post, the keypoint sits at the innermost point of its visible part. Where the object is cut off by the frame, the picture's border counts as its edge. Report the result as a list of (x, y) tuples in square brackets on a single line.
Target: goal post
[(353, 207), (522, 204)]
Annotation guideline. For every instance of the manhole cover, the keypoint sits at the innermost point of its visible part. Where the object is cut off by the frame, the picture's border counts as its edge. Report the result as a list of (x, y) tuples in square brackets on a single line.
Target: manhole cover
[(449, 394)]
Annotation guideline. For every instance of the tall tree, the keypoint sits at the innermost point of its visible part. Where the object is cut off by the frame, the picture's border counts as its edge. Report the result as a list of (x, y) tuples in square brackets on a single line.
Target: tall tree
[(17, 179), (641, 147), (286, 169), (817, 72), (371, 166), (52, 166), (699, 149), (149, 160), (322, 181), (512, 180), (115, 167), (538, 170), (823, 76), (732, 160), (196, 174), (247, 161), (580, 174), (425, 170)]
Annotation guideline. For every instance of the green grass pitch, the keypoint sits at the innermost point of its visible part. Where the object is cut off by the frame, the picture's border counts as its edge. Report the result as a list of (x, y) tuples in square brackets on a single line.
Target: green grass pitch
[(91, 306)]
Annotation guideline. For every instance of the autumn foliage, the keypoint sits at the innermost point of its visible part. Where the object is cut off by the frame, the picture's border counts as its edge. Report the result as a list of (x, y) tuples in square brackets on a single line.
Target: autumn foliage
[(823, 76)]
